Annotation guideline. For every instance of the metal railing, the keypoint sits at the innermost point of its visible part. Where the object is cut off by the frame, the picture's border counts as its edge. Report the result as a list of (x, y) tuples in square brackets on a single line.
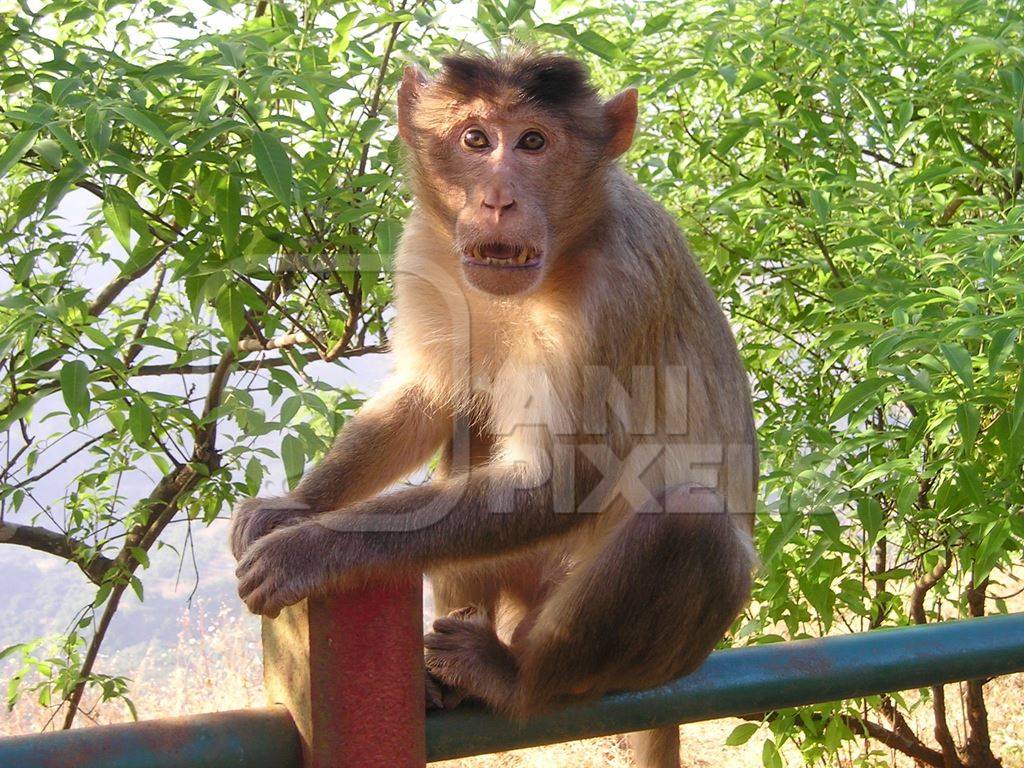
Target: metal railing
[(349, 670)]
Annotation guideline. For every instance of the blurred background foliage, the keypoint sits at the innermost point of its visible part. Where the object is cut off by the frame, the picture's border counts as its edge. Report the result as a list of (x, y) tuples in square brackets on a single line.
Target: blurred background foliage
[(849, 173)]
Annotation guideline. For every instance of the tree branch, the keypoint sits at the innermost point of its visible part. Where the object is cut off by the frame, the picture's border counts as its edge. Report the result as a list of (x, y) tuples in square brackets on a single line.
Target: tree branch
[(93, 651), (94, 565), (978, 748), (163, 504), (912, 747), (252, 365), (942, 734)]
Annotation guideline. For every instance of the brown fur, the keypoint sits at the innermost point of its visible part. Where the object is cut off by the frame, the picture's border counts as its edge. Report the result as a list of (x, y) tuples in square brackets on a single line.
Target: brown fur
[(589, 537)]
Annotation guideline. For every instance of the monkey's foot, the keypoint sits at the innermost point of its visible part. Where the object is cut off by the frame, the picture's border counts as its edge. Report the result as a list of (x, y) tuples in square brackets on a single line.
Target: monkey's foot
[(441, 696), (463, 652), (467, 613)]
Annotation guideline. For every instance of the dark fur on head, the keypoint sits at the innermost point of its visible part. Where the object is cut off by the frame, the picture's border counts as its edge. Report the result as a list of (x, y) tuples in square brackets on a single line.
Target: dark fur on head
[(548, 81)]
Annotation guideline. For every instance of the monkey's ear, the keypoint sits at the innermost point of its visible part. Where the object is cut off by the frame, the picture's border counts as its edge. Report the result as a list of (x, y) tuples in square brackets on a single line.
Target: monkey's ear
[(620, 113), (413, 80)]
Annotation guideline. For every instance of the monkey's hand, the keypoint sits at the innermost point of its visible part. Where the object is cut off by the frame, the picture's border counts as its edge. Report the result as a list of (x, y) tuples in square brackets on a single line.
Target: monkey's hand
[(294, 562), (255, 518)]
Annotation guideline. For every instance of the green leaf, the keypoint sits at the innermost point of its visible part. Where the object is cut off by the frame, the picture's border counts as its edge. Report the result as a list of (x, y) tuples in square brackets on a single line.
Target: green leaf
[(97, 129), (755, 81), (973, 47), (141, 555), (231, 312), (118, 215), (959, 360), (855, 397), (1018, 405), (61, 184), (388, 233), (1002, 344), (741, 734), (869, 512), (342, 33), (144, 122), (907, 498), (770, 756), (968, 420), (595, 43), (16, 149), (820, 204), (74, 385), (140, 422), (228, 203), (274, 165), (136, 585), (21, 408), (294, 457), (857, 241), (290, 408), (49, 152), (253, 476), (731, 139), (211, 95)]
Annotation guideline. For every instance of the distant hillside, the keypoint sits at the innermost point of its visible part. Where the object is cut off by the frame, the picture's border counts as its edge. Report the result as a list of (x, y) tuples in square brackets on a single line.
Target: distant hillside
[(42, 594)]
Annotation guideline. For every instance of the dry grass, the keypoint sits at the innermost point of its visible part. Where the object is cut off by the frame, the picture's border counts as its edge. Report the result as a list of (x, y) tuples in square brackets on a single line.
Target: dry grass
[(215, 666)]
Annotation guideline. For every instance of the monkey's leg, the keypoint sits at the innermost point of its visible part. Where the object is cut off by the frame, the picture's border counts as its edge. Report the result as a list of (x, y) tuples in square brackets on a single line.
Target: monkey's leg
[(459, 592), (656, 749), (456, 587), (649, 607)]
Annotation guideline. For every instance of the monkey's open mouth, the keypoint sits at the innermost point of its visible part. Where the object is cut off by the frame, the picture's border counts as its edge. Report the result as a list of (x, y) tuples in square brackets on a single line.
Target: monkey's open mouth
[(497, 254)]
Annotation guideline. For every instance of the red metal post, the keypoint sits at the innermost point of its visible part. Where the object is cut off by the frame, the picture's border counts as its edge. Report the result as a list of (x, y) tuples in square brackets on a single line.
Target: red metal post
[(349, 667)]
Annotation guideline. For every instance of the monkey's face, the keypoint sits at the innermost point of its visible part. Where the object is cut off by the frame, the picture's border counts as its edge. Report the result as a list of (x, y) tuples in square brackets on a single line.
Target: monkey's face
[(498, 167), (511, 162), (513, 183)]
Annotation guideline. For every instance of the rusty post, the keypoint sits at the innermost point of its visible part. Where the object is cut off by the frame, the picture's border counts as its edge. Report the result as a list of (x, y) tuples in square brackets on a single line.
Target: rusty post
[(349, 667)]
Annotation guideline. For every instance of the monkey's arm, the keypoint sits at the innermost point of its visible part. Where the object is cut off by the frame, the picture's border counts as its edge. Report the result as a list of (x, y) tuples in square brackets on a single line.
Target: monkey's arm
[(391, 435), (482, 513)]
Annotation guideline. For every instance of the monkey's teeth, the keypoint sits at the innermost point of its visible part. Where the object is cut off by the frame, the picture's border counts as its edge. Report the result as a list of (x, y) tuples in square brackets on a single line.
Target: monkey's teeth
[(522, 257)]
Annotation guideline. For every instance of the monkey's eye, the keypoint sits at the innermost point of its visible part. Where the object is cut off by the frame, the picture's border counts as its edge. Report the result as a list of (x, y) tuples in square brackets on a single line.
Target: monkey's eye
[(532, 141), (474, 138)]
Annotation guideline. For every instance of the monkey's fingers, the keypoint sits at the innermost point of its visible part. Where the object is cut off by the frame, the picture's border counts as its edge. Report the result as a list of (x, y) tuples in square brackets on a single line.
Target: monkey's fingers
[(266, 589), (255, 582), (261, 600), (249, 529), (440, 695), (239, 537), (434, 690), (444, 639), (444, 681), (255, 518)]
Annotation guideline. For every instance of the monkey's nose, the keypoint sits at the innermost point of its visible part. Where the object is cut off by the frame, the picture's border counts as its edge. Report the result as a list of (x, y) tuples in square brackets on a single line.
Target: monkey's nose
[(499, 201)]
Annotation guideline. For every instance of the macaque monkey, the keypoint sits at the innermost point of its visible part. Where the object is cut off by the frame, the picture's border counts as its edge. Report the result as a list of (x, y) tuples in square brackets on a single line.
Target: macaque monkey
[(589, 526)]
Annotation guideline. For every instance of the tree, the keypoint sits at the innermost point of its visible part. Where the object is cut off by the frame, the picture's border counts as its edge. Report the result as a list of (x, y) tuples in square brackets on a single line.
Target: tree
[(849, 174)]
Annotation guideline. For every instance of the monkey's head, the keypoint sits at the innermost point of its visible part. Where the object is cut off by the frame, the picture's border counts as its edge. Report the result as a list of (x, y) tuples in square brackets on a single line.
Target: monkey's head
[(510, 155)]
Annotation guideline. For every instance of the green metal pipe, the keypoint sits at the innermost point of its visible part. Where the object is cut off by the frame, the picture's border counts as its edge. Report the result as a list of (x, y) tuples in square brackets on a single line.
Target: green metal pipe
[(755, 679), (247, 738), (732, 682)]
